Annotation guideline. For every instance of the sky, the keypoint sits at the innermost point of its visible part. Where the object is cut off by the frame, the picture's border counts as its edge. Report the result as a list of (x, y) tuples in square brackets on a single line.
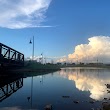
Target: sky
[(65, 29)]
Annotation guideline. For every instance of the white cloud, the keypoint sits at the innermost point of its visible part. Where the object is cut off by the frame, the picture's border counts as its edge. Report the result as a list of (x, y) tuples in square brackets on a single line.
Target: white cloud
[(62, 60), (23, 13), (98, 47), (47, 59)]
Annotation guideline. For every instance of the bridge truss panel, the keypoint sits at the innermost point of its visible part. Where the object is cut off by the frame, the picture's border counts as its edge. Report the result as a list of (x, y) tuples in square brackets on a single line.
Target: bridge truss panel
[(10, 56)]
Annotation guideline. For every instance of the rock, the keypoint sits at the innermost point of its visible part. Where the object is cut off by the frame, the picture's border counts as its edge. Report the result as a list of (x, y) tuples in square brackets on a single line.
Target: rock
[(106, 106), (98, 109), (104, 103), (108, 91), (91, 102), (48, 107), (105, 98), (76, 102), (108, 85), (66, 96)]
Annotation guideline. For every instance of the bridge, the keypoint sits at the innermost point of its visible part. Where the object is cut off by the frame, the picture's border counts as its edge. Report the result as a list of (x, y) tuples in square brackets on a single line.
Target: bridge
[(10, 57)]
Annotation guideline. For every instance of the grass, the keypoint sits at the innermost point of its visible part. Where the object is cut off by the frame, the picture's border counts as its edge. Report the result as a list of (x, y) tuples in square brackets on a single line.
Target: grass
[(35, 65), (37, 68)]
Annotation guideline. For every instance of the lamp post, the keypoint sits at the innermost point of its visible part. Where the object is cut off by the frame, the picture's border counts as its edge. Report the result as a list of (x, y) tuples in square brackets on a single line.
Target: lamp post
[(33, 48), (42, 57), (32, 42)]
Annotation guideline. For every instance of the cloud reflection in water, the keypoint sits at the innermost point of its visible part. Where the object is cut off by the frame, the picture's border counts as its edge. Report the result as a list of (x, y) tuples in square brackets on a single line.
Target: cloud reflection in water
[(91, 80), (15, 108)]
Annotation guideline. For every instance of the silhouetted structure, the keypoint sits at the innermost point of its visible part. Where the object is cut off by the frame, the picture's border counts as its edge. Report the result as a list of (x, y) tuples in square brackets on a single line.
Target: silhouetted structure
[(8, 86), (10, 57)]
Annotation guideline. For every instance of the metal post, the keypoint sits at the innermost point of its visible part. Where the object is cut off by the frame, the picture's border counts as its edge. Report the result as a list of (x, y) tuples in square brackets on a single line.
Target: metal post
[(42, 59), (33, 49), (0, 48)]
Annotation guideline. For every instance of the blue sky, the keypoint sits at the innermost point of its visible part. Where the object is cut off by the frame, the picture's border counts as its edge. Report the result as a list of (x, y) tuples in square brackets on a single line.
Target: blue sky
[(57, 25)]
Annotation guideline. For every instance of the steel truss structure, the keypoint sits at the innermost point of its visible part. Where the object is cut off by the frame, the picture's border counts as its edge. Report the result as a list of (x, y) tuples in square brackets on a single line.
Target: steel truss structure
[(7, 89), (10, 57)]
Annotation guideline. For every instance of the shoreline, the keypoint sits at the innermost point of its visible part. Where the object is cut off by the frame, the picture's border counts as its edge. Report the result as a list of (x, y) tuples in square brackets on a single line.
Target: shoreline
[(27, 72), (34, 70)]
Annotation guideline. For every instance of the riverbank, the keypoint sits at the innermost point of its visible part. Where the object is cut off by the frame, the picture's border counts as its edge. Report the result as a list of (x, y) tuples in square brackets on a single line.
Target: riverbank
[(91, 66), (30, 67)]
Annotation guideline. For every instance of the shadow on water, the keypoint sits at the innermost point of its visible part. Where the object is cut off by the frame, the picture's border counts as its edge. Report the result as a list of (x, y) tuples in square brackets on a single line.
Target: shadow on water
[(9, 84)]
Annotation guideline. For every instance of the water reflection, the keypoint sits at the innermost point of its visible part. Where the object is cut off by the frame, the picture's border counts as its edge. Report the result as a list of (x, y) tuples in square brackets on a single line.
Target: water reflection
[(92, 80), (14, 108), (62, 89), (9, 85)]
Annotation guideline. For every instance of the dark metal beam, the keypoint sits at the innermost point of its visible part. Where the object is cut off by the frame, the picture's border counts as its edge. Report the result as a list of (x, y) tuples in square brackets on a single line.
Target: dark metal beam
[(10, 56), (10, 88)]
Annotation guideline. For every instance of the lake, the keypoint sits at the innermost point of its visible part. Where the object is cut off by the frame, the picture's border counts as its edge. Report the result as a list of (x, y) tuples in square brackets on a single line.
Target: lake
[(69, 89)]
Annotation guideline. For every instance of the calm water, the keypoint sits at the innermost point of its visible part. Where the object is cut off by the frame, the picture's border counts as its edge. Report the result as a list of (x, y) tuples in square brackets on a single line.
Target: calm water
[(77, 84)]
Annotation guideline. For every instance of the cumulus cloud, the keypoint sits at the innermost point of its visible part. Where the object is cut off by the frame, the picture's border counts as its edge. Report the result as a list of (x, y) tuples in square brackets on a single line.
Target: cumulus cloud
[(62, 59), (89, 81), (98, 48), (23, 13), (47, 59)]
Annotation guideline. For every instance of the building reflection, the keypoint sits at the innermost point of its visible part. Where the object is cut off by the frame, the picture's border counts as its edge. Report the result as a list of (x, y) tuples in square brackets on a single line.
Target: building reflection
[(92, 81), (9, 85)]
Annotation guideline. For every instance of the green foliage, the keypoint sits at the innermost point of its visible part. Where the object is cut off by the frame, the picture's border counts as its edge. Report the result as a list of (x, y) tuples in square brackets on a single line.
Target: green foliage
[(35, 65)]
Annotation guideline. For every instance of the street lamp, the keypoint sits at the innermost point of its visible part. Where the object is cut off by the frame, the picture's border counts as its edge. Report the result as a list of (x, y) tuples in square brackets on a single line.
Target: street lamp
[(32, 42), (42, 57)]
